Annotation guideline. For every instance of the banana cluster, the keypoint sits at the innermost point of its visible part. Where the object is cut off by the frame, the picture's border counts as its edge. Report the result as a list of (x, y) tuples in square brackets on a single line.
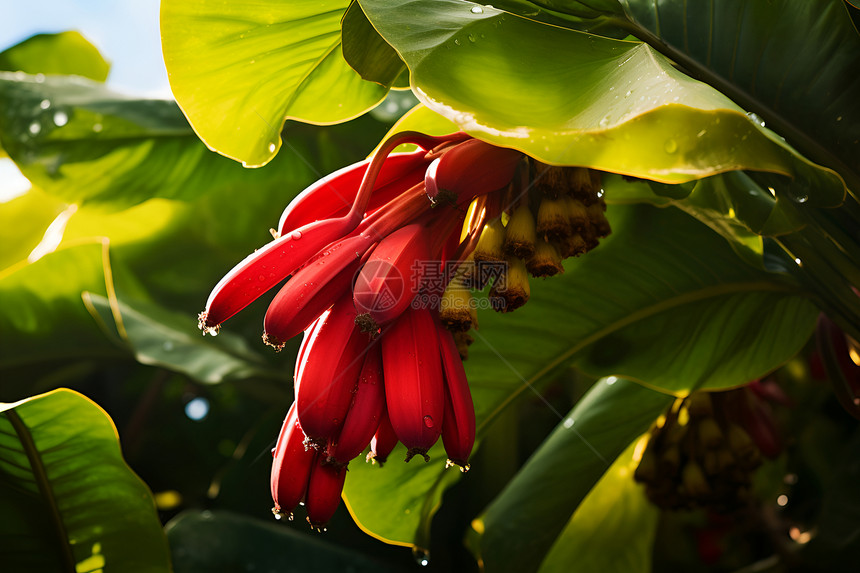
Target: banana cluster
[(703, 451), (375, 260)]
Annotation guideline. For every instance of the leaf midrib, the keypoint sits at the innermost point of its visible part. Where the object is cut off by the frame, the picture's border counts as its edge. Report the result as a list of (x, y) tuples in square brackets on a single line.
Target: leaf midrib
[(41, 476), (641, 314)]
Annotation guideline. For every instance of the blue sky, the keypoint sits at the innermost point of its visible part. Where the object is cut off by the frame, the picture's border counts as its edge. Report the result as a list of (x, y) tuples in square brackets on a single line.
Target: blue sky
[(125, 31)]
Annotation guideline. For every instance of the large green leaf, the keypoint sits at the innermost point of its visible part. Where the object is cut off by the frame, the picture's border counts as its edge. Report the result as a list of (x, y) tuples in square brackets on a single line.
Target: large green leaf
[(65, 53), (239, 69), (795, 64), (615, 509), (524, 521), (568, 97), (661, 285), (224, 541), (68, 500), (82, 142)]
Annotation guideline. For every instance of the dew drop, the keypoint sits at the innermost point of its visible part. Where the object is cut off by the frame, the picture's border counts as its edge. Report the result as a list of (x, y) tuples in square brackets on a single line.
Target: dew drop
[(422, 556), (477, 10), (671, 146), (272, 147), (35, 128), (568, 423), (428, 421), (61, 118), (755, 118), (472, 38), (40, 78), (296, 235), (802, 198), (45, 104), (628, 93), (604, 121), (277, 513), (457, 42)]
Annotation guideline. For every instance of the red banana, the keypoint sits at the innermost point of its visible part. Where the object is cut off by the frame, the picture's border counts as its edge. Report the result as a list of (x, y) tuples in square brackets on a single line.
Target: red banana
[(266, 267), (414, 384), (291, 466), (312, 289), (329, 371), (365, 412), (458, 426), (389, 280), (473, 168), (383, 441), (324, 489)]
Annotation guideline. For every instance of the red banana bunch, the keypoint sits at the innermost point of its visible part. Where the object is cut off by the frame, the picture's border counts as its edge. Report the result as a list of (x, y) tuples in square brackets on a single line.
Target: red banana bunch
[(365, 253)]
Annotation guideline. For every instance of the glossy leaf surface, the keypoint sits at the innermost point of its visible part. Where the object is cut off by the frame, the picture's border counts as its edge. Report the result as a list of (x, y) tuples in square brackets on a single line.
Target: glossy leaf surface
[(69, 500), (239, 69)]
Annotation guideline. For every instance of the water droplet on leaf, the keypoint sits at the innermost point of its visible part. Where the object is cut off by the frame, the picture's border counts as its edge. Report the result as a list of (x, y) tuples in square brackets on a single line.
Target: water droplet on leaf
[(477, 10), (61, 118), (45, 104), (422, 556), (755, 118), (296, 235), (35, 128), (428, 421)]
